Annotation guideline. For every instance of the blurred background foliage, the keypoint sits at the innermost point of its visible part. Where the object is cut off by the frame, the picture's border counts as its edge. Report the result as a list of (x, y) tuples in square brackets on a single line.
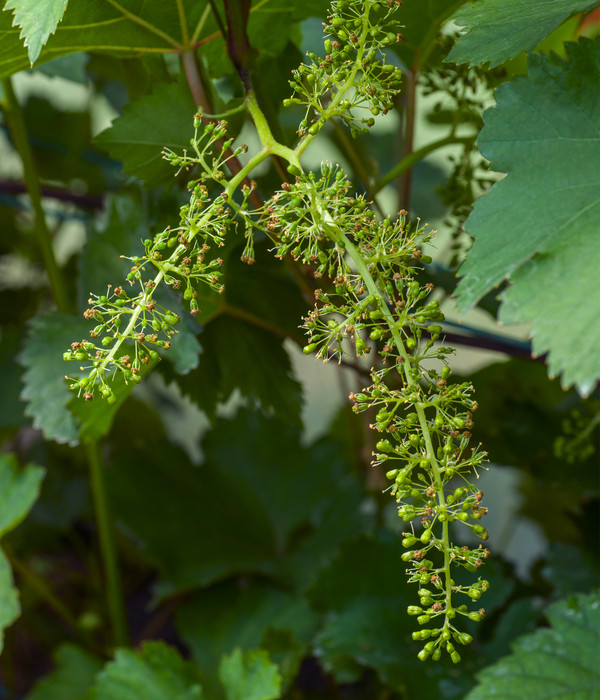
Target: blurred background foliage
[(246, 515)]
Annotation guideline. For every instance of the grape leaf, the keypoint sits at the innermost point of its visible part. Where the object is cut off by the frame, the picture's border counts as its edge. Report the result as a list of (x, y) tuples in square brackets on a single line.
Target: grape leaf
[(214, 621), (19, 489), (10, 609), (155, 672), (233, 515), (38, 19), (561, 661), (127, 225), (500, 29), (73, 676), (60, 414), (538, 225), (161, 119), (124, 29), (250, 676)]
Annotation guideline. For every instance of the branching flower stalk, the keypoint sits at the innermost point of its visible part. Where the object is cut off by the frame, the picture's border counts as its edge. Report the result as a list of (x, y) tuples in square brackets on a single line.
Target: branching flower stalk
[(372, 303)]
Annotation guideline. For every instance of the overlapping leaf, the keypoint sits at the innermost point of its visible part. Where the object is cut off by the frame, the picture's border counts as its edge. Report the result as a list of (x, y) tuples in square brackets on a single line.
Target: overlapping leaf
[(497, 30), (538, 226), (155, 672), (161, 119), (45, 389), (127, 28), (19, 489), (561, 661), (38, 19), (73, 676), (215, 621), (235, 514), (249, 676)]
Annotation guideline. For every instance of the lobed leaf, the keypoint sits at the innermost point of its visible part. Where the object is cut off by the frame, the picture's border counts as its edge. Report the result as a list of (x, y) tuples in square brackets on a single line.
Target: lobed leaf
[(38, 19), (19, 489), (161, 119), (538, 225), (155, 672), (123, 29), (561, 661), (73, 676), (250, 676), (497, 30), (215, 621)]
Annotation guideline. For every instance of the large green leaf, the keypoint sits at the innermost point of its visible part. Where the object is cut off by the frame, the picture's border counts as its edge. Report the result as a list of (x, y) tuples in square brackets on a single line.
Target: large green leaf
[(239, 512), (38, 19), (155, 672), (161, 119), (422, 21), (500, 29), (73, 676), (538, 226), (250, 676), (19, 489), (559, 662), (127, 28)]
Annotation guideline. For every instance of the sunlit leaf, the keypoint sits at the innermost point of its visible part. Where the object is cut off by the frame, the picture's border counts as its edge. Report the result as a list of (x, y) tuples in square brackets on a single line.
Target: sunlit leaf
[(497, 30), (38, 19), (155, 672)]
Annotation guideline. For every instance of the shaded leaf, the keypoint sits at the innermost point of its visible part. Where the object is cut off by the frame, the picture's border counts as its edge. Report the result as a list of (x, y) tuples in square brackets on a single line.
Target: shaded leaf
[(229, 615), (122, 235), (240, 355), (38, 19), (10, 608), (235, 514), (249, 676), (73, 676), (538, 226), (497, 30), (155, 672), (161, 119), (558, 662), (46, 392), (19, 489)]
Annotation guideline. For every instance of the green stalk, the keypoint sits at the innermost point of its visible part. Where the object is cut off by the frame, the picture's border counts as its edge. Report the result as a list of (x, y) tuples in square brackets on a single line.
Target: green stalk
[(108, 547), (414, 157), (16, 122)]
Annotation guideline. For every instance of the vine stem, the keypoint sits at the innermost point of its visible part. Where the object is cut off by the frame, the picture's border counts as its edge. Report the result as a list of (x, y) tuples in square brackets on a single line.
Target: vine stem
[(108, 547), (16, 122), (415, 156), (41, 587)]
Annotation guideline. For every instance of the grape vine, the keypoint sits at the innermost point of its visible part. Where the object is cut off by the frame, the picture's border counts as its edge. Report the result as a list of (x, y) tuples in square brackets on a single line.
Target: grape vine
[(371, 304)]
